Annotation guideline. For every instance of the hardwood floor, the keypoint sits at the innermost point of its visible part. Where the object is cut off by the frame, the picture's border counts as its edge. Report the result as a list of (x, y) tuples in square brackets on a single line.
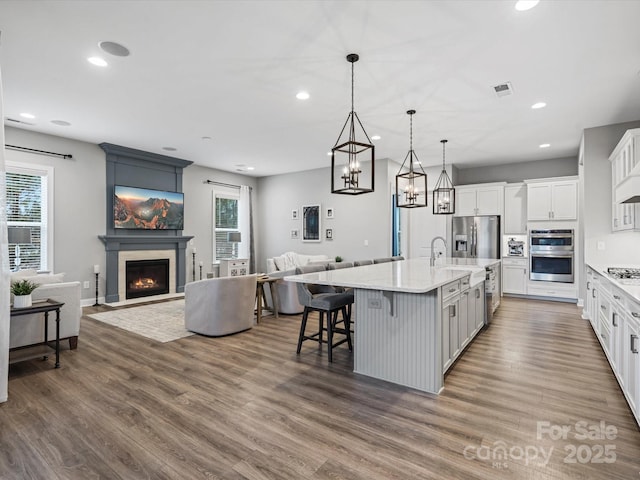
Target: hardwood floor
[(247, 407)]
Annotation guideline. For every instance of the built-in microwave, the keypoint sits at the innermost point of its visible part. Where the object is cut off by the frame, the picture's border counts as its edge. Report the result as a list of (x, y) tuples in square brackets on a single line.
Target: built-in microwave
[(551, 255)]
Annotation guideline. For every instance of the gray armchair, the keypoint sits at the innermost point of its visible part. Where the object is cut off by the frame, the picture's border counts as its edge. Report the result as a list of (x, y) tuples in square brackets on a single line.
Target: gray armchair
[(220, 306)]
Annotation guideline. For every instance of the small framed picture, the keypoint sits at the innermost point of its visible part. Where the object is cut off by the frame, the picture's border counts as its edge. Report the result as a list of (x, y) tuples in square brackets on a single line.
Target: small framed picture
[(294, 234), (329, 234), (329, 212), (294, 214)]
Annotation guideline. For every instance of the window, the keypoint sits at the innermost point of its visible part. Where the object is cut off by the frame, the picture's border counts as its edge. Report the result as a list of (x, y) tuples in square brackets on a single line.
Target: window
[(29, 198), (226, 222)]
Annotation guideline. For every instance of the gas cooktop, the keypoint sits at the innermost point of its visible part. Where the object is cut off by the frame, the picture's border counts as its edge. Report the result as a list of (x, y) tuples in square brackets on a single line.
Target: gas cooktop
[(626, 276)]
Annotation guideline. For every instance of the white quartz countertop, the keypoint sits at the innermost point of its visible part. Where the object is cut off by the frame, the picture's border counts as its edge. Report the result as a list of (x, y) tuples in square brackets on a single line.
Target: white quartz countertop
[(631, 290), (412, 276)]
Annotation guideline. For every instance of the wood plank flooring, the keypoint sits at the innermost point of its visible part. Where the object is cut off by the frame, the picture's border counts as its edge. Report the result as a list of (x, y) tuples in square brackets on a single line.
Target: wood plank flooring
[(247, 407)]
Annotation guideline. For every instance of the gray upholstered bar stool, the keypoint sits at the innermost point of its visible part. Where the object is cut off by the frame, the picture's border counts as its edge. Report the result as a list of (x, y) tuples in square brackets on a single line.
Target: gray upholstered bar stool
[(397, 258), (324, 300), (359, 263), (382, 260), (339, 265)]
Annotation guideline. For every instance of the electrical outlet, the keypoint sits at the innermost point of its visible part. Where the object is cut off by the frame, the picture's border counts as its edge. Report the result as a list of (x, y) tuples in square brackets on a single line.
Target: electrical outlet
[(86, 285), (601, 246), (366, 243), (374, 303)]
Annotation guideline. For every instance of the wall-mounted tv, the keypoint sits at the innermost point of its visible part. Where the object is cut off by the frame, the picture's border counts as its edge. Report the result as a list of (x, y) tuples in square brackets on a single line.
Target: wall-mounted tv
[(135, 208)]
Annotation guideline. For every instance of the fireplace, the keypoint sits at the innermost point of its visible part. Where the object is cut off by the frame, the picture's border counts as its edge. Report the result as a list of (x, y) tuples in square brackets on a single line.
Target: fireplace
[(144, 278)]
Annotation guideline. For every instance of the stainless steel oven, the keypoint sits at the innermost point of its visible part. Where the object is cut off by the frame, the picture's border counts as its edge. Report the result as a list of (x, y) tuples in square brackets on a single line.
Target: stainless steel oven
[(551, 255)]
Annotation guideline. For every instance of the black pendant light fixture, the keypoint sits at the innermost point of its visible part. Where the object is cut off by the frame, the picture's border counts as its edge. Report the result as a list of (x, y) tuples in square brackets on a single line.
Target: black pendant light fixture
[(444, 195), (353, 160), (411, 185)]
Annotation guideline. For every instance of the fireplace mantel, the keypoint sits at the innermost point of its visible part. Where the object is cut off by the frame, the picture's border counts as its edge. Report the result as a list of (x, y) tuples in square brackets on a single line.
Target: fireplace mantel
[(114, 244)]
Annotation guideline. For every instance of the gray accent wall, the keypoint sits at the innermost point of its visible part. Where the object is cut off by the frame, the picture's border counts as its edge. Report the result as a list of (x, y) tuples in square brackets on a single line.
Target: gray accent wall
[(80, 195), (517, 171)]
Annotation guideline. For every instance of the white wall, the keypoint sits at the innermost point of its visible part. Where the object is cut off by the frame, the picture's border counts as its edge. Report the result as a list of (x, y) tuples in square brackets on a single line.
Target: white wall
[(518, 171), (356, 218)]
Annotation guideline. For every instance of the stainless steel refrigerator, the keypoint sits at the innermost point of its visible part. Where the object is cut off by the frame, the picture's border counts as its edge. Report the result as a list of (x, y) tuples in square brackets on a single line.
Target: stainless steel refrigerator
[(476, 237)]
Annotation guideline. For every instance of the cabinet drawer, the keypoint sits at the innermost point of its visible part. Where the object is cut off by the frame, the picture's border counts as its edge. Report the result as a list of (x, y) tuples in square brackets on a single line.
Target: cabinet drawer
[(464, 283), (518, 262), (451, 289)]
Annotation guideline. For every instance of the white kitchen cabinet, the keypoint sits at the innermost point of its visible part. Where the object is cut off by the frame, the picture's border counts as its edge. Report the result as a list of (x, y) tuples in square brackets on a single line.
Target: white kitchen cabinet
[(515, 275), (515, 209), (552, 289), (479, 199), (617, 327), (552, 200), (626, 156)]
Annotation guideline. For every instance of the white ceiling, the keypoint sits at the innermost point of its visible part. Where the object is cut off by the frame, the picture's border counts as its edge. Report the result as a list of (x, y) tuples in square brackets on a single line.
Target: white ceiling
[(230, 70)]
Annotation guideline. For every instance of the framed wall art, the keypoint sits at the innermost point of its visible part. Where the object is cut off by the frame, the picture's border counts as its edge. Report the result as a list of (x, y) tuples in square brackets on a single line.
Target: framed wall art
[(311, 223)]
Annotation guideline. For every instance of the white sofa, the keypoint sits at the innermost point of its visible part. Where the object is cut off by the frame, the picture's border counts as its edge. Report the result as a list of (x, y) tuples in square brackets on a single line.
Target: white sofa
[(29, 329), (284, 265)]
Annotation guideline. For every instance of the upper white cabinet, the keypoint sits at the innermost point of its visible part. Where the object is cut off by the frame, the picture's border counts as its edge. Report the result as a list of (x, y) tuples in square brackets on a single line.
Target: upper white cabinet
[(625, 160), (481, 199), (552, 199), (515, 209)]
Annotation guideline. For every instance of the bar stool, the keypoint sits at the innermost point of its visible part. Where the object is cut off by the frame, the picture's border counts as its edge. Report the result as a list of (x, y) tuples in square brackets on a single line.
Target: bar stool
[(359, 263), (397, 258), (339, 265), (324, 300), (382, 260)]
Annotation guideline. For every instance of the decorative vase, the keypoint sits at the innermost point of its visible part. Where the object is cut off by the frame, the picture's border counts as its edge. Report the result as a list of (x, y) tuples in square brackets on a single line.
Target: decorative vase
[(21, 301)]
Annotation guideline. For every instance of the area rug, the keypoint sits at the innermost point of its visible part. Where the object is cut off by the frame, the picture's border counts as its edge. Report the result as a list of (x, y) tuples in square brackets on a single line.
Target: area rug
[(163, 322)]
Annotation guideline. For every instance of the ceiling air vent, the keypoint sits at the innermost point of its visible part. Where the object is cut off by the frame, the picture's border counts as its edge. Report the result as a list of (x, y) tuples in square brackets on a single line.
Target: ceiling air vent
[(503, 89)]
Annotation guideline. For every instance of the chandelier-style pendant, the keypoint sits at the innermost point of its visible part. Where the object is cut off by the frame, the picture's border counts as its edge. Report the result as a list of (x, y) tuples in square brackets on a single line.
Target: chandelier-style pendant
[(411, 185), (352, 160), (444, 195)]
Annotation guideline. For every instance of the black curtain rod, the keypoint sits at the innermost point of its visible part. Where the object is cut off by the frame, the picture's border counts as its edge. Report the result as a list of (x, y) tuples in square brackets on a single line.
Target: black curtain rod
[(230, 185), (41, 152)]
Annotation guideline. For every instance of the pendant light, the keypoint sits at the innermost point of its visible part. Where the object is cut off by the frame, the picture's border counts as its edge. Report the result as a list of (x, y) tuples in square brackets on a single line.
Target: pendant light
[(444, 195), (411, 185), (353, 160)]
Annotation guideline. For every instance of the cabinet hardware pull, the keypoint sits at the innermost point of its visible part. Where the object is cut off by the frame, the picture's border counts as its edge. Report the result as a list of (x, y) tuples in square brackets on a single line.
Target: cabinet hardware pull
[(452, 310), (616, 297), (452, 290), (588, 285), (613, 319), (593, 293), (603, 307), (634, 349), (635, 314)]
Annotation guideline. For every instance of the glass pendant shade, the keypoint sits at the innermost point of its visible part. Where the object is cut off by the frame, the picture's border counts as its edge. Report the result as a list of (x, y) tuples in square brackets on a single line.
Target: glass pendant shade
[(353, 155), (444, 195), (411, 180)]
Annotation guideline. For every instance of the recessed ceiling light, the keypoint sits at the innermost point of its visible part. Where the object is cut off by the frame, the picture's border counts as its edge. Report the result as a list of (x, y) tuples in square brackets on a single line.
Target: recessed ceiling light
[(61, 123), (97, 61), (206, 138), (27, 115), (523, 5), (535, 106), (169, 149), (545, 145), (251, 168), (113, 48), (329, 154), (376, 137), (302, 95)]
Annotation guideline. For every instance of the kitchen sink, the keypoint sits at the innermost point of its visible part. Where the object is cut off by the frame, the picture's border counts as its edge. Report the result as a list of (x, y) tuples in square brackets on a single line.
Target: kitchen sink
[(478, 274)]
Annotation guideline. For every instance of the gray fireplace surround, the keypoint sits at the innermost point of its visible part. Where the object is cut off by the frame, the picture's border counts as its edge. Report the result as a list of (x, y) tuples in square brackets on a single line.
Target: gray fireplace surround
[(136, 168)]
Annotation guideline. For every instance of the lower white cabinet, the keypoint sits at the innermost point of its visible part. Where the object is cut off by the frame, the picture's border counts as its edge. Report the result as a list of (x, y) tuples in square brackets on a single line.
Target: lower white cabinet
[(462, 318), (615, 318), (515, 275)]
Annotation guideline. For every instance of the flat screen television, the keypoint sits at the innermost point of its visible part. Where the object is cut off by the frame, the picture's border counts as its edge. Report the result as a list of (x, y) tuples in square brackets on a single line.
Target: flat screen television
[(144, 208)]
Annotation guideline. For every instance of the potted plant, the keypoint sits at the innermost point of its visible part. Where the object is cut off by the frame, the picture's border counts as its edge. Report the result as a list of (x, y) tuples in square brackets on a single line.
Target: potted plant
[(21, 290), (338, 258)]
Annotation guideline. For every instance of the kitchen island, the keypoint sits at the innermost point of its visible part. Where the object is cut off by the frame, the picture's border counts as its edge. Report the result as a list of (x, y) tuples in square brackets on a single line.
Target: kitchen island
[(411, 320)]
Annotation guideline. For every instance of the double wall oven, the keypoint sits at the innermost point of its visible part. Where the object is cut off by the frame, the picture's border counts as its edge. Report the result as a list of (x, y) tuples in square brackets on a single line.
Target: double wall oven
[(551, 255)]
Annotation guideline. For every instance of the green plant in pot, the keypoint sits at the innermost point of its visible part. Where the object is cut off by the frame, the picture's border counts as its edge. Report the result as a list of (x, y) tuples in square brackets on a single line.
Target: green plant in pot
[(22, 290), (338, 258)]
